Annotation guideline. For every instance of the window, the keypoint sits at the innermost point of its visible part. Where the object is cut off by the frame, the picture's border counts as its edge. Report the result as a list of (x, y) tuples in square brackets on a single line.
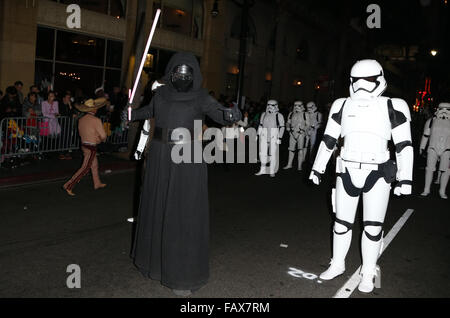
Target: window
[(116, 8), (82, 49), (73, 77), (181, 16), (303, 50), (77, 61), (114, 54), (100, 6), (45, 45)]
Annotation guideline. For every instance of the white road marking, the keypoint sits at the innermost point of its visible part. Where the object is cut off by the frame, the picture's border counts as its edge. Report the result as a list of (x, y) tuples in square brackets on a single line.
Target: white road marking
[(353, 282)]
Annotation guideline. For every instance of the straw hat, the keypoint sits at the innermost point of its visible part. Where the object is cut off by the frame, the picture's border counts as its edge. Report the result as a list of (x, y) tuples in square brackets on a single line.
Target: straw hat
[(91, 105)]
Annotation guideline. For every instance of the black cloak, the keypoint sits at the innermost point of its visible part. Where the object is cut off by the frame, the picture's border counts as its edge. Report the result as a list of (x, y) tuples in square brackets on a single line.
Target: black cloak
[(172, 234)]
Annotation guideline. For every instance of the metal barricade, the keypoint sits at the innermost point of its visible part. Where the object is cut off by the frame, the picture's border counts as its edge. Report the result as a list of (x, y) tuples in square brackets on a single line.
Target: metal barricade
[(22, 136)]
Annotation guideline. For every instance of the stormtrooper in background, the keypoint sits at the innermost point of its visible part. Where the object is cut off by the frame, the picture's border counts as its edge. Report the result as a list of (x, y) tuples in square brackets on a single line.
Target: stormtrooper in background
[(366, 121), (270, 131), (437, 133), (315, 119), (145, 130), (297, 126)]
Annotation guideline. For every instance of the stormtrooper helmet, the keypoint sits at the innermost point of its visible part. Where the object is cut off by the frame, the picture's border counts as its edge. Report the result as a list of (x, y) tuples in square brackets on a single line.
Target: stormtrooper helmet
[(443, 111), (311, 106), (299, 107), (182, 78), (272, 106), (367, 79)]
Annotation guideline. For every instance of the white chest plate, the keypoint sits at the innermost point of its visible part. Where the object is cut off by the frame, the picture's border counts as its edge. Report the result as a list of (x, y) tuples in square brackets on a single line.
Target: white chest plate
[(298, 121), (440, 135), (313, 118), (270, 120), (366, 129)]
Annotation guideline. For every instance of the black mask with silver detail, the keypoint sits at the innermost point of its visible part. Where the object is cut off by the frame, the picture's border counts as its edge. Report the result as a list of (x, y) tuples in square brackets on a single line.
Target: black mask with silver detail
[(182, 78)]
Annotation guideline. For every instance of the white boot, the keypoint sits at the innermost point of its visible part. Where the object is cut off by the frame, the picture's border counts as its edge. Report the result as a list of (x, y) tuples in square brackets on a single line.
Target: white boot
[(428, 179), (370, 278), (444, 181), (261, 171), (333, 271), (370, 251), (438, 178), (341, 245), (300, 159), (290, 160)]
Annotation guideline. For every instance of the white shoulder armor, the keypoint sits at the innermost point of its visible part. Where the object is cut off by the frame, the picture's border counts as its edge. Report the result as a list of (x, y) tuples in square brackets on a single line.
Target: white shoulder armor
[(401, 106)]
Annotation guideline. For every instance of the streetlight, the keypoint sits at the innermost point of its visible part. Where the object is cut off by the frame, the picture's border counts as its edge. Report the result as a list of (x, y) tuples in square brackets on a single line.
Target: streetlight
[(215, 9), (434, 52)]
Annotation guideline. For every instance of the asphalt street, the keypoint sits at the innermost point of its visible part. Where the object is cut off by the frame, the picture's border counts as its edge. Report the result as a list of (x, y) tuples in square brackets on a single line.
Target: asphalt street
[(43, 231)]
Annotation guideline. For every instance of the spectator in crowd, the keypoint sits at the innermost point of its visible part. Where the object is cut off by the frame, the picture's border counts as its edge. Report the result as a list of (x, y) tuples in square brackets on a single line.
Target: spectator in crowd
[(68, 113), (105, 111), (19, 85), (50, 110), (1, 95), (31, 106), (10, 105), (35, 89), (31, 110), (65, 107), (118, 102)]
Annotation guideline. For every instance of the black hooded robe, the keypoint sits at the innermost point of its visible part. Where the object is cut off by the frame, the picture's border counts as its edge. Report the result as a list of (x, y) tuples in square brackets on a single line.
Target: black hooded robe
[(172, 236)]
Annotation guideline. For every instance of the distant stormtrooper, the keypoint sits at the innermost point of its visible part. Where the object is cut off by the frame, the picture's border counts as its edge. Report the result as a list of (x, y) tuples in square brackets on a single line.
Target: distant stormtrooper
[(270, 132), (366, 121), (145, 132), (297, 125), (315, 119), (437, 133)]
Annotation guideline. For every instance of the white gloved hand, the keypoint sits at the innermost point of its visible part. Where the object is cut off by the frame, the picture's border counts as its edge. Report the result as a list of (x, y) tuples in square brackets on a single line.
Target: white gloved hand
[(138, 155), (315, 177), (279, 141), (404, 189)]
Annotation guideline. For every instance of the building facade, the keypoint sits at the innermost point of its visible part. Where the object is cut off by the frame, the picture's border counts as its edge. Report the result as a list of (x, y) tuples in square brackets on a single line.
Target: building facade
[(290, 55)]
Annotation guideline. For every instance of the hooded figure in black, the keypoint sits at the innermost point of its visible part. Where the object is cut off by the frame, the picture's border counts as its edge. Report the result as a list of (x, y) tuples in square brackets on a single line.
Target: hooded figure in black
[(172, 239)]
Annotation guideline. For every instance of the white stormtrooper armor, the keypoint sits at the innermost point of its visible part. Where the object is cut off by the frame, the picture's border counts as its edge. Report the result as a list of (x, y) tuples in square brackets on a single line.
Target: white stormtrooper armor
[(315, 119), (270, 131), (367, 122), (437, 133), (145, 131), (297, 125)]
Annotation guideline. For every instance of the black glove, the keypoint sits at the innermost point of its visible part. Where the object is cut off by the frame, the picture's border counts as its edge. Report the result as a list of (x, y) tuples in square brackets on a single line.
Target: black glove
[(232, 115)]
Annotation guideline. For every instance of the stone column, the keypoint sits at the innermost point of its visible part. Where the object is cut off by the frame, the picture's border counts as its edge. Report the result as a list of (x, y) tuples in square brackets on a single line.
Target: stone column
[(18, 28)]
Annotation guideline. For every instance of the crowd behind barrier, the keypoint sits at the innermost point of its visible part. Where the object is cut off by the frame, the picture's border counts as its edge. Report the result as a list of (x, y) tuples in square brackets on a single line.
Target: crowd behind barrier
[(22, 136)]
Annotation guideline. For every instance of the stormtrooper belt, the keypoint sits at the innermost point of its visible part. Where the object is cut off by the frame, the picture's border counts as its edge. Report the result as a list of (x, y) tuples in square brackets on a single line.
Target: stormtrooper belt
[(358, 165), (164, 135)]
